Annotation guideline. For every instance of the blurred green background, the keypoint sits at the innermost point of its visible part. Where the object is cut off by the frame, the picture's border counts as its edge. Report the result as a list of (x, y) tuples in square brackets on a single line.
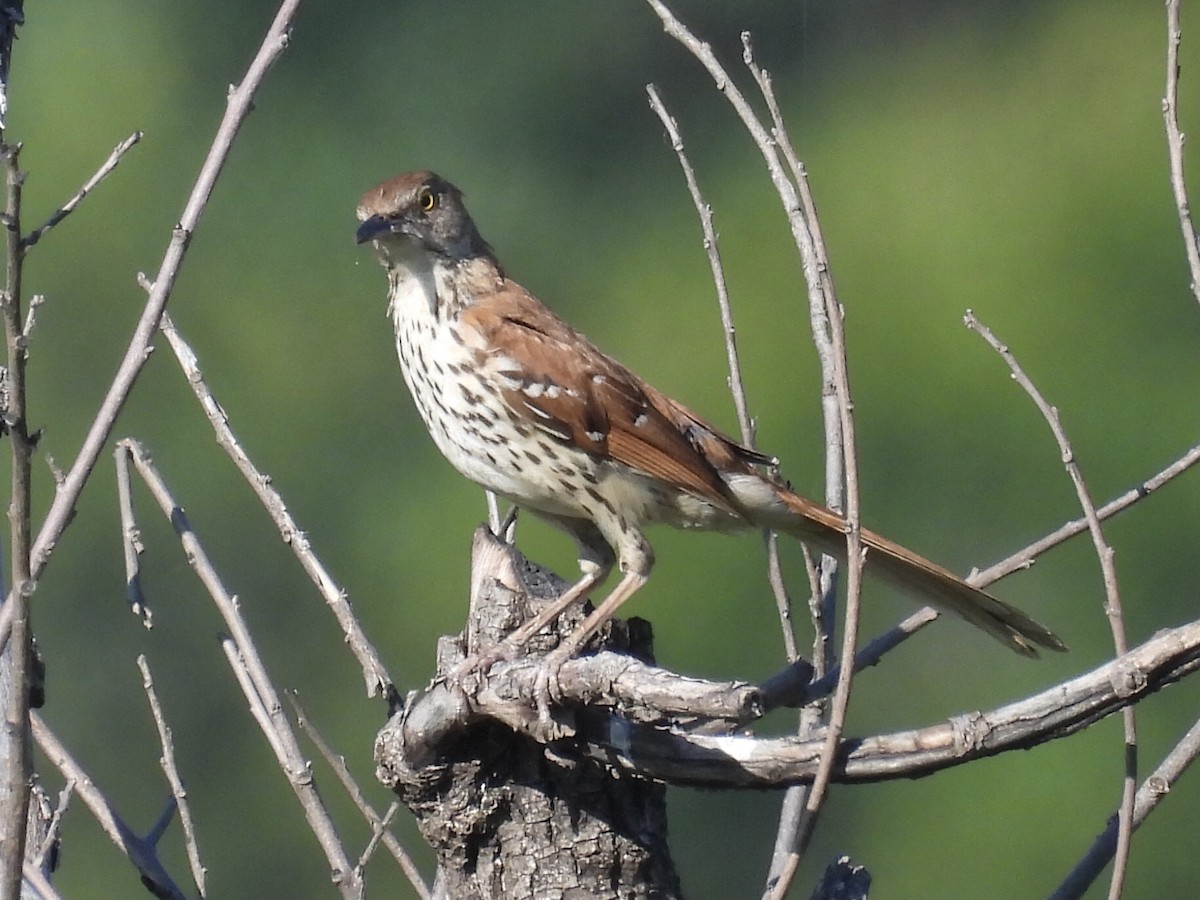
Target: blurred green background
[(1003, 157)]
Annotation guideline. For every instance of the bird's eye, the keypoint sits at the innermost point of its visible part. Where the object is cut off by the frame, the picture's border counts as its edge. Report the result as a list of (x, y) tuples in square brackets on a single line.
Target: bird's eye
[(427, 200)]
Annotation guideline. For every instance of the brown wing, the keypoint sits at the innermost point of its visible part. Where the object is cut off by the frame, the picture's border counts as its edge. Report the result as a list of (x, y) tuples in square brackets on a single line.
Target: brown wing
[(565, 386)]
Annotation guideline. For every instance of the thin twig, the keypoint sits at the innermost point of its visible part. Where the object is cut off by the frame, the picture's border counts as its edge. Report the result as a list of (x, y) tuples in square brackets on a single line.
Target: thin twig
[(793, 207), (871, 654), (375, 674), (12, 14), (238, 105), (35, 303), (377, 834), (826, 320), (737, 387), (783, 141), (1109, 843), (1025, 557), (16, 768), (71, 205), (131, 542), (379, 824), (1022, 559), (38, 881), (142, 853), (163, 822), (792, 809), (258, 704), (823, 605), (758, 133), (1153, 789), (178, 792), (253, 678), (783, 597), (855, 554), (1113, 609), (54, 827), (1175, 141)]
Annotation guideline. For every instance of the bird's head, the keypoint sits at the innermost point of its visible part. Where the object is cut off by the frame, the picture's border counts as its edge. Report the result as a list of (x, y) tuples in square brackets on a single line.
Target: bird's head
[(421, 212)]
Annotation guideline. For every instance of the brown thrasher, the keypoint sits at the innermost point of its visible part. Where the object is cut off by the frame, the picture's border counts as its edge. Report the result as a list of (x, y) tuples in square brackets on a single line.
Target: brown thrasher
[(524, 405)]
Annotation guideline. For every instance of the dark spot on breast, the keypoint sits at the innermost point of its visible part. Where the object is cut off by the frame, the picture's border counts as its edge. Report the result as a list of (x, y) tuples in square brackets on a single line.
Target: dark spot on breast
[(601, 499)]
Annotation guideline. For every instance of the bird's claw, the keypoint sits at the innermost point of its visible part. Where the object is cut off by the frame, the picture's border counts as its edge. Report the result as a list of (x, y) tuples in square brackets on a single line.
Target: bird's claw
[(546, 692)]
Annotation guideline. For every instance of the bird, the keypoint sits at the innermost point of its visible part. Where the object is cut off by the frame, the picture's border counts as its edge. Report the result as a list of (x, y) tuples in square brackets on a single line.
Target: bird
[(524, 405)]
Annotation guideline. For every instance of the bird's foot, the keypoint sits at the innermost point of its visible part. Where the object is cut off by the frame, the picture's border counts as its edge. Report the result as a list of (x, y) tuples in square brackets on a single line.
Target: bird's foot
[(481, 662), (547, 691)]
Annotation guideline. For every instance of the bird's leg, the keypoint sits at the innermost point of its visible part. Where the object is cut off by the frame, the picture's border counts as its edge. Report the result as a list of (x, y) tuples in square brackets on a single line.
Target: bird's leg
[(595, 562), (546, 684), (519, 638), (636, 560), (515, 641)]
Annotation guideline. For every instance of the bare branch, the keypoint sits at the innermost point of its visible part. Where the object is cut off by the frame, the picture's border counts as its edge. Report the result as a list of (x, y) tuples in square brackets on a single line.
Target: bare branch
[(843, 879), (855, 554), (791, 817), (1153, 789), (12, 14), (37, 879), (1175, 140), (739, 761), (375, 674), (737, 387), (1025, 557), (35, 303), (54, 828), (159, 828), (1108, 568), (172, 772), (826, 317), (131, 542), (17, 660), (253, 678), (377, 834), (239, 103), (71, 205), (379, 824), (871, 654), (142, 853), (641, 692)]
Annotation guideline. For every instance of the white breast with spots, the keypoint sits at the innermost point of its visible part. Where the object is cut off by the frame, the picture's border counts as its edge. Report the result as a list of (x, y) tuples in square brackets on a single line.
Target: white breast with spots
[(456, 386), (465, 415)]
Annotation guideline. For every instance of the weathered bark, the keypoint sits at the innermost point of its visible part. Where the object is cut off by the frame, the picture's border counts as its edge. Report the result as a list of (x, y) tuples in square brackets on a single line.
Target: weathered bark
[(508, 816)]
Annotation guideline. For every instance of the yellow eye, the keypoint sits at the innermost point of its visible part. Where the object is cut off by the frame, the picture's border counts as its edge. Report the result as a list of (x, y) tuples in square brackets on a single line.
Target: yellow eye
[(427, 200)]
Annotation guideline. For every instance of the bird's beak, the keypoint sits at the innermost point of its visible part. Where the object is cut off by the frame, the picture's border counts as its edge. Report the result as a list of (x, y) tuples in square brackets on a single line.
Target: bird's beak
[(372, 228)]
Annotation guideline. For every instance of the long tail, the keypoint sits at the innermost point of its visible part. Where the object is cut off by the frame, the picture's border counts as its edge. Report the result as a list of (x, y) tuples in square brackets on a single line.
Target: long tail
[(921, 579)]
